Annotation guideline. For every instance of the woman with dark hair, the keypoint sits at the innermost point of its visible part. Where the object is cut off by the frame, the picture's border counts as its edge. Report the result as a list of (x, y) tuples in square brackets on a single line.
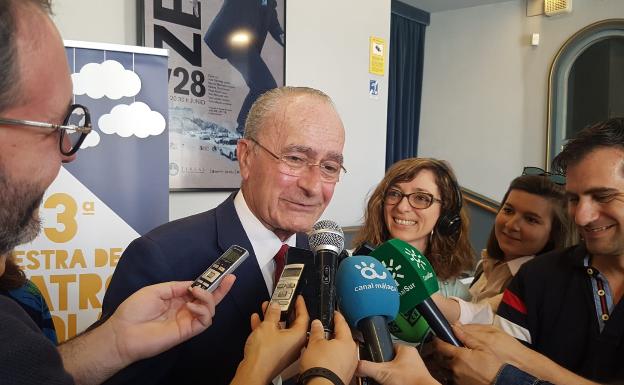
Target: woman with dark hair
[(422, 220), (531, 220), (15, 285)]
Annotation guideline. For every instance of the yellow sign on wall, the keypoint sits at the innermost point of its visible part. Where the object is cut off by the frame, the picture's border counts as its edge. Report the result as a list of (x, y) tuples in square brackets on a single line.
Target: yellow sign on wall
[(377, 49)]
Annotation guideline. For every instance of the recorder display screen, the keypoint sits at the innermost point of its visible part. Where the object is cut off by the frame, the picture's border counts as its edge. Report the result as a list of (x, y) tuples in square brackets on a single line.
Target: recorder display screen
[(231, 256), (291, 272)]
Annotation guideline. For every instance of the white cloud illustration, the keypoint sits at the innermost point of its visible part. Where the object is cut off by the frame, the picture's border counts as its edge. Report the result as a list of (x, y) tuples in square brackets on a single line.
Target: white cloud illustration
[(108, 79), (134, 119), (92, 140)]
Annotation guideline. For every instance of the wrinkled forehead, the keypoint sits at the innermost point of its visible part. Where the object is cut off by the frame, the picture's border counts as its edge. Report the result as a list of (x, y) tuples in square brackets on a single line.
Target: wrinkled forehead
[(305, 121)]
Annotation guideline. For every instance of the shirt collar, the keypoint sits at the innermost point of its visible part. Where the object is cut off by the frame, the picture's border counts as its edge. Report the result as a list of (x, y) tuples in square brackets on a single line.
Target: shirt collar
[(264, 242), (514, 264)]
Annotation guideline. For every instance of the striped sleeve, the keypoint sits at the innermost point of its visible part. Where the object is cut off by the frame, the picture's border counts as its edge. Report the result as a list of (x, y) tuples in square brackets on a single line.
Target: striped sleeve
[(512, 315)]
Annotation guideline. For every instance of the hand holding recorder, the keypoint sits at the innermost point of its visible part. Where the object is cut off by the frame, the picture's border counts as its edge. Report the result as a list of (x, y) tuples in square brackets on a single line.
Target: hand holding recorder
[(269, 348)]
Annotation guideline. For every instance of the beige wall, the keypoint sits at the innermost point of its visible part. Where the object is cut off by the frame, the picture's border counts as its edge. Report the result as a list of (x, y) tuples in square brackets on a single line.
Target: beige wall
[(109, 21), (485, 87)]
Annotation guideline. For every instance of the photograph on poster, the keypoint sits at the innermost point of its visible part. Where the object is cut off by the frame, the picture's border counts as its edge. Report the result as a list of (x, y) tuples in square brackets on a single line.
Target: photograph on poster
[(223, 54)]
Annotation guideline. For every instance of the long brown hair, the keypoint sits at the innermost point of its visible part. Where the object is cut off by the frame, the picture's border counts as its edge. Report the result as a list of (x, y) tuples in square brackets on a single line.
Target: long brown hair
[(449, 255), (562, 231)]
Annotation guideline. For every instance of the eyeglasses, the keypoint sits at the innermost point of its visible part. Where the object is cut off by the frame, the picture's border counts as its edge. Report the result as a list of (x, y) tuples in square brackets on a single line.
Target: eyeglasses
[(418, 200), (295, 164), (555, 178), (75, 128)]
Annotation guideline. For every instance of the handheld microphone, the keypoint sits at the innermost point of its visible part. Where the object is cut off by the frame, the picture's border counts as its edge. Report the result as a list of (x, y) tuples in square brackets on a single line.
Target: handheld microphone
[(327, 241), (369, 299), (417, 282)]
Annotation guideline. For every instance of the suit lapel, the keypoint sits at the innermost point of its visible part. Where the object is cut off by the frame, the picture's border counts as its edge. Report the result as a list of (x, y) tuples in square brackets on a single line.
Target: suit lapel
[(249, 290), (302, 241)]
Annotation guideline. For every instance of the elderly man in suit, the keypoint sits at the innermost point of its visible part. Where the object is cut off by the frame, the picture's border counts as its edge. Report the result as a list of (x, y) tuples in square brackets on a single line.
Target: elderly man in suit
[(290, 160)]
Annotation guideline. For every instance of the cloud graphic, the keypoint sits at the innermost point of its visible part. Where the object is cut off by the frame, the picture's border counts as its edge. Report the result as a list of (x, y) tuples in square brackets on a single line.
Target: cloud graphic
[(108, 79), (92, 140), (134, 119)]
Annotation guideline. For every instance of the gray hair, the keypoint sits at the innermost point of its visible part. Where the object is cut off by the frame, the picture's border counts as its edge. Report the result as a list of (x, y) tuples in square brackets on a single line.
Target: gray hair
[(9, 73), (268, 103)]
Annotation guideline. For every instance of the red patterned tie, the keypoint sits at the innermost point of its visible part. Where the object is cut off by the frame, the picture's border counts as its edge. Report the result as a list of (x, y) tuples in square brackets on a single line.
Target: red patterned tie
[(280, 261)]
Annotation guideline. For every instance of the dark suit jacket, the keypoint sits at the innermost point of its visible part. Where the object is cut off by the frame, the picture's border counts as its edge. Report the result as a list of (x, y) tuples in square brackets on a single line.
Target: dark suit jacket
[(182, 250)]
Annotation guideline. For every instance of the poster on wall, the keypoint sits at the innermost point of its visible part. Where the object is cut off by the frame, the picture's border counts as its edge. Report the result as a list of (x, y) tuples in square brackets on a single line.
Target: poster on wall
[(115, 190), (223, 54)]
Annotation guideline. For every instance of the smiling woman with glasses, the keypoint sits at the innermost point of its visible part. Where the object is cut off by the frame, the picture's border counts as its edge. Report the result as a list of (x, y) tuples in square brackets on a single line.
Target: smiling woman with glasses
[(409, 204), (75, 128)]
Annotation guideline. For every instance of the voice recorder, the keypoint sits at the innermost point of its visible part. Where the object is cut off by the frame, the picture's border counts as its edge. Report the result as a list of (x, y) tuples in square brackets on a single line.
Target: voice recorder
[(287, 289), (225, 264)]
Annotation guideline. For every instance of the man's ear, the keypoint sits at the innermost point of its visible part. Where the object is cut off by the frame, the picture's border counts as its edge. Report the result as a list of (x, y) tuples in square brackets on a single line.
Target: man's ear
[(243, 152)]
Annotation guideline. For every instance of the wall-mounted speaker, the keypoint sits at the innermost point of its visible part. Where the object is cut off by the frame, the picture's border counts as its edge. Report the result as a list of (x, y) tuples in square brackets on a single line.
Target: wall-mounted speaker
[(556, 7)]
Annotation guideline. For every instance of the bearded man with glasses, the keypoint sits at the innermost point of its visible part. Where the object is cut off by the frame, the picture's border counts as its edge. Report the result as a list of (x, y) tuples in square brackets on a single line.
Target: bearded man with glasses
[(40, 130), (290, 161)]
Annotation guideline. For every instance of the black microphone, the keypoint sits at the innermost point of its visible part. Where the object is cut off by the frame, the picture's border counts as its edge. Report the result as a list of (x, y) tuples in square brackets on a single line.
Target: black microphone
[(327, 241)]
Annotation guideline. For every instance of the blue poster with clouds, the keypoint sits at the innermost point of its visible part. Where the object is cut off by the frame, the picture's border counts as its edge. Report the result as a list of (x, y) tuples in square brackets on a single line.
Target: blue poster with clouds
[(116, 191)]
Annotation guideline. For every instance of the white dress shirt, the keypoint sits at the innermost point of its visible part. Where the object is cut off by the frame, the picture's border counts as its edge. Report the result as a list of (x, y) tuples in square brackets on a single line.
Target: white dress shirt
[(264, 242)]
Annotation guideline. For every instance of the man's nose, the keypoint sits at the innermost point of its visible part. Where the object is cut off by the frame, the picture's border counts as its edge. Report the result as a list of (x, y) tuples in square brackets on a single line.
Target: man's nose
[(584, 212), (310, 180)]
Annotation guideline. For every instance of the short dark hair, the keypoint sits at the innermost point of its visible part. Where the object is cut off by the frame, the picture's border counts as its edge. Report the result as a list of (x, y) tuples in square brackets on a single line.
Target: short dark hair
[(9, 74), (562, 231), (609, 133)]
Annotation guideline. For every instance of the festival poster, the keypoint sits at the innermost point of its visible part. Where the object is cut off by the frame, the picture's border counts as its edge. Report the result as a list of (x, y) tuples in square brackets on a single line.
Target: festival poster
[(116, 189), (223, 54)]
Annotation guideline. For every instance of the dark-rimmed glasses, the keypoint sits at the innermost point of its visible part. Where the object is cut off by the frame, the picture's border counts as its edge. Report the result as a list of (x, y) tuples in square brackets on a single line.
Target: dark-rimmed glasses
[(75, 128), (296, 164), (418, 200), (555, 178)]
